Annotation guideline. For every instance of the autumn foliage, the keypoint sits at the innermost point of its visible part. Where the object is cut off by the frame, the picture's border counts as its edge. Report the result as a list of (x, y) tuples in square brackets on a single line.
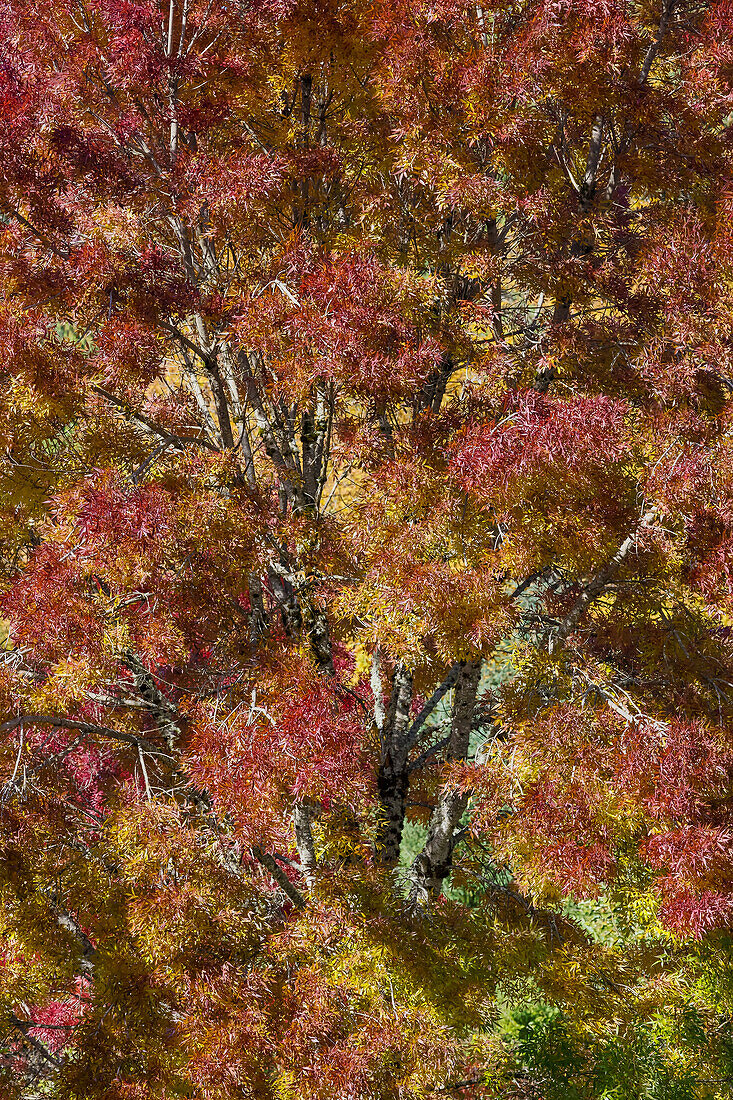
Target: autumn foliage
[(366, 549)]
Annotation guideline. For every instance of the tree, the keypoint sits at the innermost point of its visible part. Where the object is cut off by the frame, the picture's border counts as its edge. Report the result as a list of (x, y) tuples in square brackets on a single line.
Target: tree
[(367, 548)]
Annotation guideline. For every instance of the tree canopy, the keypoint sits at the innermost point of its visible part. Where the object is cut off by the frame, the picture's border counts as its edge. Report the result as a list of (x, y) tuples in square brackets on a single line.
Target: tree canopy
[(366, 549)]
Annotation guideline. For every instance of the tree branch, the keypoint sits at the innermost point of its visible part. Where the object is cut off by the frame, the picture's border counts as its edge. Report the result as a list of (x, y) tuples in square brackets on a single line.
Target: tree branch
[(434, 699), (432, 866), (392, 777), (150, 425), (303, 814), (24, 1027), (597, 586), (84, 727), (651, 54), (279, 876)]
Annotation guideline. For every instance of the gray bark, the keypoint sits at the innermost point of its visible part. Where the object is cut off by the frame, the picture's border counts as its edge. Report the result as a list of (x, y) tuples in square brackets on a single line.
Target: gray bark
[(303, 815), (68, 922), (597, 586), (257, 612), (666, 15), (163, 713), (267, 861), (392, 778), (434, 699), (432, 866), (377, 690), (319, 637)]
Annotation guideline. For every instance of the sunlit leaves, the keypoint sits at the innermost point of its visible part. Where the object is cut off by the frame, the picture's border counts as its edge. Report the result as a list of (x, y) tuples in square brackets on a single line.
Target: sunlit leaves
[(345, 343)]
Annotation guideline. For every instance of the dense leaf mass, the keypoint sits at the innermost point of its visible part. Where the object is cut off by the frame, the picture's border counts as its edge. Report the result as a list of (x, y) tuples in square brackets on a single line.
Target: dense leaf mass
[(366, 549)]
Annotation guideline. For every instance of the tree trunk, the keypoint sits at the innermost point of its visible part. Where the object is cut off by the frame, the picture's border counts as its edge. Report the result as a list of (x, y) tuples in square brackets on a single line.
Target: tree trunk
[(433, 865), (392, 778)]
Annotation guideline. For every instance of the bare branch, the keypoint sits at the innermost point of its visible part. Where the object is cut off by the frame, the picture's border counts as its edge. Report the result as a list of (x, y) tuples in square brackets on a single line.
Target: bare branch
[(651, 54), (84, 727), (597, 586), (150, 425), (24, 1027), (279, 876), (434, 699)]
